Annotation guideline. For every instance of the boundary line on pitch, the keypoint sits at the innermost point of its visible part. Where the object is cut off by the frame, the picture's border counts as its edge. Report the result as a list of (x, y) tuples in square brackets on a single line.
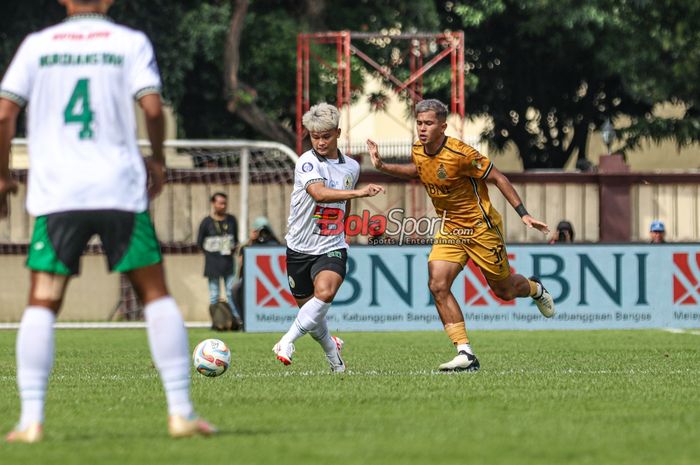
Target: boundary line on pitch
[(681, 331), (107, 325), (204, 324)]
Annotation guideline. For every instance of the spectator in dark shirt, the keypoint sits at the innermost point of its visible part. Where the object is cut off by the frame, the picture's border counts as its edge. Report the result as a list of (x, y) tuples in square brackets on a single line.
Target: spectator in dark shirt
[(218, 238)]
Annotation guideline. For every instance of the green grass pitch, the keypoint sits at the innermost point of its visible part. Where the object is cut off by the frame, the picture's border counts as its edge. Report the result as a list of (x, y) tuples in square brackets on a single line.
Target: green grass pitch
[(566, 397)]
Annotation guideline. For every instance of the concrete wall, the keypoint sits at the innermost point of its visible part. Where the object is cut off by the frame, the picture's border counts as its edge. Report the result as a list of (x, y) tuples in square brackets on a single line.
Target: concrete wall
[(94, 294), (180, 208), (92, 297)]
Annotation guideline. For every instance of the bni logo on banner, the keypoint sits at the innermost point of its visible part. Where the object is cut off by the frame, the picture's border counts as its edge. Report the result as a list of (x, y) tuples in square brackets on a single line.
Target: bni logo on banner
[(271, 281), (477, 291), (686, 278)]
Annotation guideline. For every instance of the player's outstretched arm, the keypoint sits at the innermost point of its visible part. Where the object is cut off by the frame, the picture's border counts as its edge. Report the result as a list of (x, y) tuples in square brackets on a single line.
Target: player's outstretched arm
[(511, 195), (323, 194), (404, 170), (8, 124), (155, 127)]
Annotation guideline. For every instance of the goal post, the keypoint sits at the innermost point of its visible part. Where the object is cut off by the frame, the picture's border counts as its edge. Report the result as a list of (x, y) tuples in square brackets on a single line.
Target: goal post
[(230, 161)]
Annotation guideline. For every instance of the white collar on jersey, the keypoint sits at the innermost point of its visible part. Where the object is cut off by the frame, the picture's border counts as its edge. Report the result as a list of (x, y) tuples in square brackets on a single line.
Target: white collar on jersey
[(321, 158), (78, 16)]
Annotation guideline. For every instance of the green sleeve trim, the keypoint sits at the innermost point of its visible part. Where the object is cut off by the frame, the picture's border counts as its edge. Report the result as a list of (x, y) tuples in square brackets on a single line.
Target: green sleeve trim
[(147, 91), (18, 99)]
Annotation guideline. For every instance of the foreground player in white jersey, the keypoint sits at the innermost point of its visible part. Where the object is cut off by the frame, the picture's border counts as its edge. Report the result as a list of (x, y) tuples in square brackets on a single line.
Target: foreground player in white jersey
[(79, 80), (324, 183)]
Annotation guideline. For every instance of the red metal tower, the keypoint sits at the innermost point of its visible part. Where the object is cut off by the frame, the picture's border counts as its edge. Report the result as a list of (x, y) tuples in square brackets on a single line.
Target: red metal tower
[(452, 44)]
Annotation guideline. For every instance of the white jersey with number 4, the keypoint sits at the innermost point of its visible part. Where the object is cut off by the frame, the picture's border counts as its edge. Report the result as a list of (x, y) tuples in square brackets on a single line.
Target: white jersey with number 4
[(79, 80), (316, 228)]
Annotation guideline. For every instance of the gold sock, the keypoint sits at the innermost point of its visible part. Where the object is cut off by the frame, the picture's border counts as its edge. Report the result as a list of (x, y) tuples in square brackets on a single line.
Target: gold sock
[(457, 332), (533, 288)]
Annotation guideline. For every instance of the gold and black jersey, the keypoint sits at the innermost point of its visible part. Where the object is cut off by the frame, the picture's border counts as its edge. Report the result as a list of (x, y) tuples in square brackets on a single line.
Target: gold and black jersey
[(454, 178)]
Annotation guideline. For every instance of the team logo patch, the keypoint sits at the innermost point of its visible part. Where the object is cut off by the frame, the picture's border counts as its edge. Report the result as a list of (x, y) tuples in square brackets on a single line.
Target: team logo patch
[(335, 254), (292, 284), (306, 167), (347, 181), (442, 172)]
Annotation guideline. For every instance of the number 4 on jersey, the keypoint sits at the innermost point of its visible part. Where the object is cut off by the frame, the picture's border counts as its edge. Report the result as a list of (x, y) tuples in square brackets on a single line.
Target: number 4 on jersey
[(78, 108)]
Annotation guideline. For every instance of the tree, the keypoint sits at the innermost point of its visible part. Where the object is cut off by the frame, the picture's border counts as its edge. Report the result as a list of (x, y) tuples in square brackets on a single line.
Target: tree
[(548, 72), (536, 74), (270, 107), (660, 62)]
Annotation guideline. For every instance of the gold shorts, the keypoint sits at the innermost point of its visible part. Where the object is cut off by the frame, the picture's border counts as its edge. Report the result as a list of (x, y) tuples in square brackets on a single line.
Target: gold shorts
[(485, 248)]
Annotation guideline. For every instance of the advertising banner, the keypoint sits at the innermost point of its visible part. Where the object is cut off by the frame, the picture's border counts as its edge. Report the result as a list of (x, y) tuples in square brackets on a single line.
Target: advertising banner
[(594, 287)]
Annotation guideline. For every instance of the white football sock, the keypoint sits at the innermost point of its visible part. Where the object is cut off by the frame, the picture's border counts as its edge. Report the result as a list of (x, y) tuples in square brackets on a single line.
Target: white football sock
[(321, 334), (465, 347), (35, 352), (167, 338), (310, 314)]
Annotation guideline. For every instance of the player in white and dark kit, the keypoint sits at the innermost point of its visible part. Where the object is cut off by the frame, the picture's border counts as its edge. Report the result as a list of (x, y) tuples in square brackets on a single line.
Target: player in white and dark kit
[(79, 80), (324, 184)]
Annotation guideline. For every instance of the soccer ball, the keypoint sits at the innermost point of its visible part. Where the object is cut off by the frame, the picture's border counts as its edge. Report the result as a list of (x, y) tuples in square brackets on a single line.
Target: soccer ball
[(211, 357)]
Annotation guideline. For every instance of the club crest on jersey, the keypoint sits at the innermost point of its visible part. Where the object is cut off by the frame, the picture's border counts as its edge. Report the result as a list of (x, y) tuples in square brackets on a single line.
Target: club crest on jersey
[(442, 172), (306, 167), (347, 181)]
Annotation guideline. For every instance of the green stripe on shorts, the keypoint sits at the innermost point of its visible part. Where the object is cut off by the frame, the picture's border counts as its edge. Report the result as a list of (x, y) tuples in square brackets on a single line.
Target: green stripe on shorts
[(42, 256), (144, 249)]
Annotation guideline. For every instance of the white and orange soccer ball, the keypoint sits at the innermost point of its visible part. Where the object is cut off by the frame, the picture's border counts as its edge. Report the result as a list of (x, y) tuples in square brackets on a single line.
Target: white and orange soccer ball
[(211, 357)]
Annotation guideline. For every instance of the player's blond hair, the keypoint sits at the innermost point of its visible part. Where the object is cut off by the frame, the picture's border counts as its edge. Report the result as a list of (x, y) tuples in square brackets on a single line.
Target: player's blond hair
[(321, 117), (435, 105)]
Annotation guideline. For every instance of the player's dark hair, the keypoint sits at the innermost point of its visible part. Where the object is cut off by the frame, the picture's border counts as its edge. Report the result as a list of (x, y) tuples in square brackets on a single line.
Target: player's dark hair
[(218, 194)]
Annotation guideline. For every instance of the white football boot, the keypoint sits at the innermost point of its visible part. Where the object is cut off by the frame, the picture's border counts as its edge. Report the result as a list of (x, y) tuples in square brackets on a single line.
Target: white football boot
[(284, 352), (184, 427), (545, 302), (334, 359), (33, 433), (462, 362)]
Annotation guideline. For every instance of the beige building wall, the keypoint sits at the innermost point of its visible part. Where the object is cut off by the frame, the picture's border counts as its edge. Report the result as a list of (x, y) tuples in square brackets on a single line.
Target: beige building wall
[(94, 294), (91, 298)]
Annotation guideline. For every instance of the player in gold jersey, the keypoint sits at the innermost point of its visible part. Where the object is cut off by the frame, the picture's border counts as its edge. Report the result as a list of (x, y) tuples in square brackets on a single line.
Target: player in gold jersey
[(455, 175)]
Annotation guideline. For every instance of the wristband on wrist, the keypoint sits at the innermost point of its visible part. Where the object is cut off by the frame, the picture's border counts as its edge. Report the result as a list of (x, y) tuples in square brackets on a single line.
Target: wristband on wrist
[(520, 210)]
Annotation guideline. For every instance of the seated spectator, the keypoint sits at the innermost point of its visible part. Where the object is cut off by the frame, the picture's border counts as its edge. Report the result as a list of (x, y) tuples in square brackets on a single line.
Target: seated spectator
[(564, 233), (260, 234), (657, 232)]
